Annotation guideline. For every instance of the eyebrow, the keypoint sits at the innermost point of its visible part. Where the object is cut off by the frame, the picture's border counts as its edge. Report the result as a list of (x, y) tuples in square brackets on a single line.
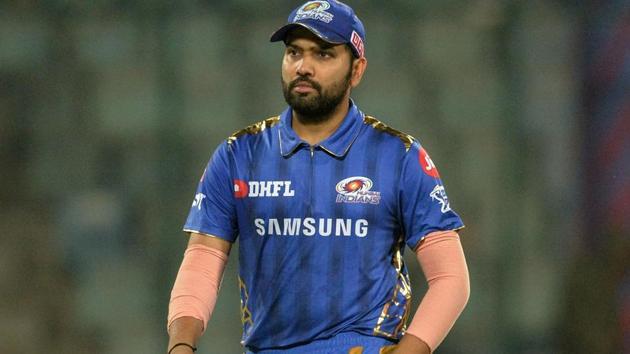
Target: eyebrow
[(322, 46), (327, 45)]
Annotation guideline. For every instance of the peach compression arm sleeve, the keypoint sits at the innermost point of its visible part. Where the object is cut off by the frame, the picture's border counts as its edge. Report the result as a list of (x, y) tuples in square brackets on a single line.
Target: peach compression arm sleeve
[(197, 285), (442, 260)]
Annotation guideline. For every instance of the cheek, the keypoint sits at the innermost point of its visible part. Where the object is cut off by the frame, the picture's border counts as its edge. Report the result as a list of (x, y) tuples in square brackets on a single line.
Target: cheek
[(286, 71), (340, 74)]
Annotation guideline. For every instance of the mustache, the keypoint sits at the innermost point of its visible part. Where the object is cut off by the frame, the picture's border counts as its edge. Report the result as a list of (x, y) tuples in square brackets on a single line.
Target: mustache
[(301, 80)]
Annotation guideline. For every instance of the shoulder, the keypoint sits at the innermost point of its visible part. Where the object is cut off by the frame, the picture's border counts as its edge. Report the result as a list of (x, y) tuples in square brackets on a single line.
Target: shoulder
[(253, 130), (394, 135)]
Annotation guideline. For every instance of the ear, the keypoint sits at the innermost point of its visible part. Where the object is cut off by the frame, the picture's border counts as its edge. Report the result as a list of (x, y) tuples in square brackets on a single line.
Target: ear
[(358, 68)]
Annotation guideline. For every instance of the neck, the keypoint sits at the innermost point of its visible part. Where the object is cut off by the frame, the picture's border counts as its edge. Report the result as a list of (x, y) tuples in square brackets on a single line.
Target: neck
[(316, 133)]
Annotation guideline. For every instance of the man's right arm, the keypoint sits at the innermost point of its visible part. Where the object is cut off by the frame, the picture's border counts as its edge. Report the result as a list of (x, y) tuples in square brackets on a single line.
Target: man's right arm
[(196, 289)]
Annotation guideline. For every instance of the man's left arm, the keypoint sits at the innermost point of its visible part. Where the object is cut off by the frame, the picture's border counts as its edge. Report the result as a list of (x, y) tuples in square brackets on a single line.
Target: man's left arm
[(441, 257)]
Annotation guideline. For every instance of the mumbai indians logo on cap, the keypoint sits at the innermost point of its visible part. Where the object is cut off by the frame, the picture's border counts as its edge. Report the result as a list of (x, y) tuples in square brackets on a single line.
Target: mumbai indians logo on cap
[(315, 10)]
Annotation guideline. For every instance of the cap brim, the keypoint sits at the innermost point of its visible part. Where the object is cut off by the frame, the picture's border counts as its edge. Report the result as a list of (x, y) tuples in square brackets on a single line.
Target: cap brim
[(281, 33)]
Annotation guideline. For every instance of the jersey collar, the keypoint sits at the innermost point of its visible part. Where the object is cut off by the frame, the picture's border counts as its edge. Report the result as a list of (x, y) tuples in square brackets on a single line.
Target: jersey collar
[(337, 144)]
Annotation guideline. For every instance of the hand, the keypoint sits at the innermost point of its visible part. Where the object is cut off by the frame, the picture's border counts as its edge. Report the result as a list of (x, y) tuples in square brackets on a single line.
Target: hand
[(182, 350), (184, 330), (410, 344)]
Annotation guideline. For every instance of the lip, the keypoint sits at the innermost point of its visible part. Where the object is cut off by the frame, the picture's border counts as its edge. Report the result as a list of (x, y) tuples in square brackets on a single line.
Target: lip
[(303, 87)]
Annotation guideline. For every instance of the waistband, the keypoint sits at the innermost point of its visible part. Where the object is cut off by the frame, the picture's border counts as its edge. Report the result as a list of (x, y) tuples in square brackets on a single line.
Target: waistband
[(339, 344)]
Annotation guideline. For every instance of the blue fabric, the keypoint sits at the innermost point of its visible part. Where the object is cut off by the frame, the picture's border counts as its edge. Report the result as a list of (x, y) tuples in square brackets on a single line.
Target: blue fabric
[(339, 344), (332, 21), (321, 229)]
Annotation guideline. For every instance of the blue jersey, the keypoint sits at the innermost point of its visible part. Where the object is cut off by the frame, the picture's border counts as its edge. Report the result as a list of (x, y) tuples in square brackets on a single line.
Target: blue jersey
[(321, 228)]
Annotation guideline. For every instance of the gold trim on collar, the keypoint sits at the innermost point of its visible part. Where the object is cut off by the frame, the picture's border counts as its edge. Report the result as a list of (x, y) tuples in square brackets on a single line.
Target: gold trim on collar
[(254, 129), (407, 139)]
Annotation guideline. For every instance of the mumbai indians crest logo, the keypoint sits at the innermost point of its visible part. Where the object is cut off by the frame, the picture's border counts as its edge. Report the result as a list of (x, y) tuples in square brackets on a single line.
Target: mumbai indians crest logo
[(315, 10), (357, 190), (439, 194)]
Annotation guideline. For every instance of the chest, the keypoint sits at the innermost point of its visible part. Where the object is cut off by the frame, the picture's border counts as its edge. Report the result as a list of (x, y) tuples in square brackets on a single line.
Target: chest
[(313, 183)]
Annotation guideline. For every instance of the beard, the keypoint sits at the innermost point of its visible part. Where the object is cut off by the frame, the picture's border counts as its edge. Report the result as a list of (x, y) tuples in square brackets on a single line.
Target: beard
[(315, 108)]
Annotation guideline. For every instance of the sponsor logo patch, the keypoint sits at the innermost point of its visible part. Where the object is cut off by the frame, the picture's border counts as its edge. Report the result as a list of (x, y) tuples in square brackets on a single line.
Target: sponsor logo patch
[(254, 189), (199, 197), (439, 194), (241, 189), (427, 164), (315, 10), (357, 190), (357, 42), (311, 227)]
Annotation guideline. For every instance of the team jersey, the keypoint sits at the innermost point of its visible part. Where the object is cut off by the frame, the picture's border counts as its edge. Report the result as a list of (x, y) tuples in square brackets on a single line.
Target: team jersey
[(321, 228)]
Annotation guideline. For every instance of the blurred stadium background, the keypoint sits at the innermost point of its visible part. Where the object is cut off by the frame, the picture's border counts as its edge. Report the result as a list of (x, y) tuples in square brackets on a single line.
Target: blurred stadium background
[(109, 111)]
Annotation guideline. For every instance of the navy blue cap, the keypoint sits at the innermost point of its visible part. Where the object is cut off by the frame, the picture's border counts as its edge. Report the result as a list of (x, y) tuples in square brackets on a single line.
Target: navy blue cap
[(332, 21)]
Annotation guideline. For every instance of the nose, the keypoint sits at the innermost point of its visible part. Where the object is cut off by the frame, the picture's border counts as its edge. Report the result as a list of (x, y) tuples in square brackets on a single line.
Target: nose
[(305, 67)]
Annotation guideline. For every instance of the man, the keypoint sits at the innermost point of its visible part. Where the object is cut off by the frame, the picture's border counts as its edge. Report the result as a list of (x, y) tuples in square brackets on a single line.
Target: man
[(323, 199)]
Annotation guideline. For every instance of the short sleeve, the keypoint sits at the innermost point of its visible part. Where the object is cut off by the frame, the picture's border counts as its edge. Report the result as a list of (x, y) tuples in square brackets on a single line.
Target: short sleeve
[(213, 211), (425, 207)]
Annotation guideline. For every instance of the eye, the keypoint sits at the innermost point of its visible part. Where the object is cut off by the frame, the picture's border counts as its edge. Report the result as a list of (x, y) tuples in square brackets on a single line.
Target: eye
[(325, 54), (291, 52)]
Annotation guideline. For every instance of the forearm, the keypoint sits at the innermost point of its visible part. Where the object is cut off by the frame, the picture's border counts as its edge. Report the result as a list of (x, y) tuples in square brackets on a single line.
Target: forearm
[(184, 330), (444, 265), (194, 295)]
